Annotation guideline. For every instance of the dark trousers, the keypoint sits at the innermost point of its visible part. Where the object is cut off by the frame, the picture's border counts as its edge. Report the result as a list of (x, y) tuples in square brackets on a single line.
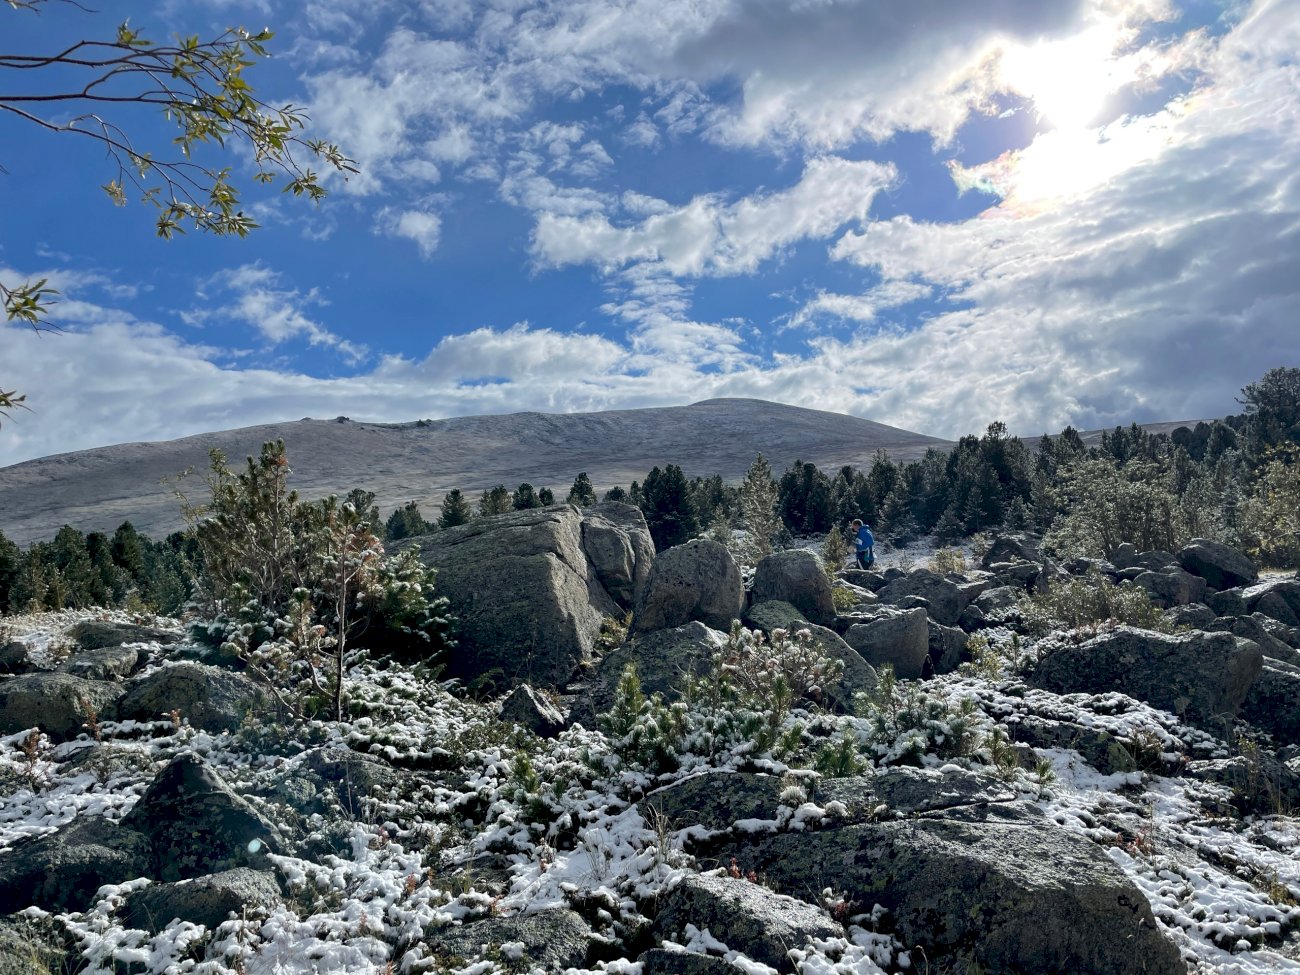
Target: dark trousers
[(865, 558)]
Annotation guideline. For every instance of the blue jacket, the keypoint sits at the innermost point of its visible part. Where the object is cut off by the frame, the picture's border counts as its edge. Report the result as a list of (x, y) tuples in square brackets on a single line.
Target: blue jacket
[(865, 538)]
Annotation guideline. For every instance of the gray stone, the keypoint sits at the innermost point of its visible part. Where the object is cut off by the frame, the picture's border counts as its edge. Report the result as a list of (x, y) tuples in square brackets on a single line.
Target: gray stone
[(528, 602), (744, 916), (95, 634), (359, 782), (663, 660), (1251, 628), (34, 946), (1202, 677), (1008, 896), (858, 674), (899, 637), (695, 581), (208, 697), (1228, 602), (1125, 555), (1195, 616), (1272, 604), (529, 709), (1260, 784), (619, 546), (1021, 576), (58, 704), (947, 644), (1222, 566), (946, 599), (197, 825), (63, 870), (866, 578), (1287, 590), (1273, 704), (715, 800), (204, 900), (999, 598), (1012, 547), (1155, 560), (15, 658), (662, 961), (553, 940), (972, 618), (1165, 588), (105, 663), (796, 577)]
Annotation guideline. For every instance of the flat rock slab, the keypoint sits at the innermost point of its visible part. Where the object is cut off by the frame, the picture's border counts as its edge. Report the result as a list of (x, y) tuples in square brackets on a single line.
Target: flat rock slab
[(205, 900), (62, 871), (662, 961), (1010, 897), (744, 916), (552, 940)]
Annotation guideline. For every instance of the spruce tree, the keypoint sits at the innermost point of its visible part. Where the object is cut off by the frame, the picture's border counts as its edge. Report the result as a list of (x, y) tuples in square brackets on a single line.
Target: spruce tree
[(455, 510), (582, 493), (666, 503), (758, 500), (497, 501), (546, 496), (525, 498)]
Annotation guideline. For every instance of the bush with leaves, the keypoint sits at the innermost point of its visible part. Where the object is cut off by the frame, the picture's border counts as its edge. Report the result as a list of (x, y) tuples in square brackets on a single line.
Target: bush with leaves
[(1087, 600), (292, 585), (906, 723), (835, 552)]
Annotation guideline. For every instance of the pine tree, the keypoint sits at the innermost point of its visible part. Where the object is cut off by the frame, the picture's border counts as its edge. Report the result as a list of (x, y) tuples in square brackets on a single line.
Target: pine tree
[(405, 522), (666, 503), (616, 493), (525, 498), (758, 500), (582, 493), (11, 560), (546, 496), (455, 510), (495, 502)]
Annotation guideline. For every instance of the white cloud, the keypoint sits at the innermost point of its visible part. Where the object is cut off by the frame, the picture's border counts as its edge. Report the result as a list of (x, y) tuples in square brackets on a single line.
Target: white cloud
[(420, 226), (864, 308)]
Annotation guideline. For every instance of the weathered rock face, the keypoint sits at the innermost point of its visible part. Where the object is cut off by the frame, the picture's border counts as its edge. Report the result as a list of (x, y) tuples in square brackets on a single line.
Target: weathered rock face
[(1260, 785), (745, 917), (528, 601), (1273, 703), (1168, 588), (1250, 628), (1202, 677), (858, 674), (697, 580), (899, 637), (1196, 616), (359, 782), (1227, 602), (197, 825), (1222, 566), (945, 598), (552, 940), (62, 871), (105, 663), (58, 704), (204, 900), (947, 645), (796, 577), (1009, 896), (662, 961), (33, 946), (94, 634), (208, 697), (528, 709), (1276, 598), (1013, 547), (998, 598), (618, 543), (16, 658), (662, 659)]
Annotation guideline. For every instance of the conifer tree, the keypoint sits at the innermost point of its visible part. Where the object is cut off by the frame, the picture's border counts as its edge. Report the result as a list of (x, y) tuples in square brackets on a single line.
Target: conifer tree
[(546, 496), (666, 503), (525, 498), (582, 493), (497, 501), (758, 499), (455, 510)]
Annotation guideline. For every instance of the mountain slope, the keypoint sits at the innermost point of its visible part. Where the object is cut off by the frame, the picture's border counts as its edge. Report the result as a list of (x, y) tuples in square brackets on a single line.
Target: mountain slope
[(99, 489)]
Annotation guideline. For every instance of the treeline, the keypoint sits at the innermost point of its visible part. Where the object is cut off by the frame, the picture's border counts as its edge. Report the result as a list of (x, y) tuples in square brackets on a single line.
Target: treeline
[(1235, 479)]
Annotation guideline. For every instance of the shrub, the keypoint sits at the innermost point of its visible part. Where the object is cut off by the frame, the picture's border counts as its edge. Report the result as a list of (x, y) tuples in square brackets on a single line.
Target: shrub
[(1090, 599), (907, 723), (835, 552), (843, 599), (946, 560)]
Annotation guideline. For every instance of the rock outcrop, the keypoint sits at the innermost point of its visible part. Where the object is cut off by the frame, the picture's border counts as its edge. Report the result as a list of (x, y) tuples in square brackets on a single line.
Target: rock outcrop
[(796, 577), (61, 705), (211, 698), (695, 581)]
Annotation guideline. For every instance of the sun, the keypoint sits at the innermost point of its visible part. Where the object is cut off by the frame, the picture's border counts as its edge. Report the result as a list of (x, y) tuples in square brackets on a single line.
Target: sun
[(1068, 80)]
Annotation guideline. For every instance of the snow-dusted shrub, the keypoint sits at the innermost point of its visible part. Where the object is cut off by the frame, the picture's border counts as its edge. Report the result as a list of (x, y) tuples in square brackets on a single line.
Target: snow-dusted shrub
[(906, 723), (1090, 599)]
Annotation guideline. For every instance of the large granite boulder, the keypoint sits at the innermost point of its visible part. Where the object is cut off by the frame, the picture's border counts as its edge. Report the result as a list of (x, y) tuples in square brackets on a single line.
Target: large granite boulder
[(552, 940), (527, 708), (1222, 566), (945, 598), (744, 916), (1012, 547), (1015, 895), (796, 577), (106, 663), (1251, 628), (1169, 588), (663, 660), (947, 646), (1202, 677), (59, 704), (197, 825), (62, 871), (204, 900), (1273, 702), (619, 546), (16, 657), (1276, 598), (527, 599), (96, 634), (211, 698), (899, 637), (697, 580)]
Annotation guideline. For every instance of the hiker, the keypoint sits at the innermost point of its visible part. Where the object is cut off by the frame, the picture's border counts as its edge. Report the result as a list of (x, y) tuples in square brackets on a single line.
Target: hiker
[(864, 542)]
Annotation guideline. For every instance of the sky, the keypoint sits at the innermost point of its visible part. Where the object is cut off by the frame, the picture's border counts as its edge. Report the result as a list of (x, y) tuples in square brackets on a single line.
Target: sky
[(929, 214)]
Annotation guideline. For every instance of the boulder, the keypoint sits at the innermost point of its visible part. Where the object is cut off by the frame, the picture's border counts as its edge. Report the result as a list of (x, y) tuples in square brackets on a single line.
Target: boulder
[(1125, 555), (1227, 602), (1022, 576), (947, 644), (1166, 589), (697, 580), (858, 674), (1201, 677), (796, 577), (866, 578), (1016, 895), (208, 697), (105, 663), (197, 825), (529, 709), (620, 549), (715, 801), (663, 659), (999, 598), (1012, 547), (1275, 591), (1154, 560), (663, 961), (204, 900), (1273, 703), (360, 782), (1251, 628), (58, 704), (946, 599), (1222, 566), (95, 634), (528, 602), (1193, 616), (552, 940), (1260, 784), (744, 916), (972, 618), (899, 637), (62, 871), (16, 658)]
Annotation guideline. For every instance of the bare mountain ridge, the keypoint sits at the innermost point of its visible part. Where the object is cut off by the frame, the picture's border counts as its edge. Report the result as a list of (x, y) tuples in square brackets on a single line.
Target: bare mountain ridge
[(98, 489)]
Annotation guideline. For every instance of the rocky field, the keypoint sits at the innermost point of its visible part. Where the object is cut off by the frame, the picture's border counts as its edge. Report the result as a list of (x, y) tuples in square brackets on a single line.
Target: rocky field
[(906, 771)]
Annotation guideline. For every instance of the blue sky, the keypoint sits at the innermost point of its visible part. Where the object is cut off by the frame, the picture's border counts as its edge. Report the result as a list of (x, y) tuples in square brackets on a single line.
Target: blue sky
[(929, 214)]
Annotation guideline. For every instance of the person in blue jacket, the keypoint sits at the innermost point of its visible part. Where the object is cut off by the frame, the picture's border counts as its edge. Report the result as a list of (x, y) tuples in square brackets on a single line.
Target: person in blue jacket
[(864, 542)]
